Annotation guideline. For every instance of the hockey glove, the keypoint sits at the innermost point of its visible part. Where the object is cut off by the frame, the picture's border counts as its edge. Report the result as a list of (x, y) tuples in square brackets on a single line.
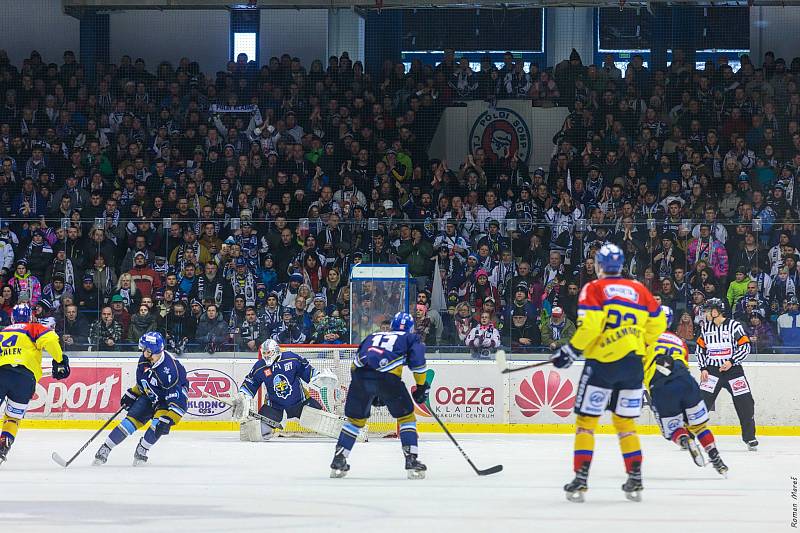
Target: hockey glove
[(128, 399), (241, 407), (420, 394), (565, 356), (61, 370), (325, 379)]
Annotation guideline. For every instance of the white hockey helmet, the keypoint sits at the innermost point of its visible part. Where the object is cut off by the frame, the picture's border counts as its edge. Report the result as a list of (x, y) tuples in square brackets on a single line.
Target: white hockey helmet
[(269, 351)]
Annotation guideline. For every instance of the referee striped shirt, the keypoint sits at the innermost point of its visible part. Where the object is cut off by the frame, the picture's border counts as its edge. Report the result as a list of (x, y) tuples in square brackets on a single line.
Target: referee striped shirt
[(717, 344)]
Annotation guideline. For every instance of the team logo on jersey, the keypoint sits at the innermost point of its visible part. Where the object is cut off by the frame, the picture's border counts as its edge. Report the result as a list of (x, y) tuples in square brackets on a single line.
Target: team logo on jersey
[(205, 383), (501, 132), (281, 386), (621, 291), (536, 393), (597, 398), (525, 221)]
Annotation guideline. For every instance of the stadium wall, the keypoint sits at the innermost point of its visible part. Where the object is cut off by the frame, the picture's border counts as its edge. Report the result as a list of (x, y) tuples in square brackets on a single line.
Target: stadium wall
[(774, 28), (471, 396), (155, 36), (37, 25)]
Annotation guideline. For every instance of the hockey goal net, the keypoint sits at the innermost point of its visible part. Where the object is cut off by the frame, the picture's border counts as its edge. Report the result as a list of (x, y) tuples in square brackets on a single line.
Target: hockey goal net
[(337, 358)]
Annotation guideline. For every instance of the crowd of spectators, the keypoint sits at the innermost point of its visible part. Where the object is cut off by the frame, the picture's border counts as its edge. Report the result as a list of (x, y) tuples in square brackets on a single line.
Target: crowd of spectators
[(227, 209)]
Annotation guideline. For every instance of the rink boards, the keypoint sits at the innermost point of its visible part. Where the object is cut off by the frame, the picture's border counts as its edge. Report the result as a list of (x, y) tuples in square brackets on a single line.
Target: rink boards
[(471, 396)]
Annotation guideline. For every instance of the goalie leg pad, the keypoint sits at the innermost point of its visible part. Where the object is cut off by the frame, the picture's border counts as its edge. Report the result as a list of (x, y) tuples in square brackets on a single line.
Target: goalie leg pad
[(254, 430), (321, 422)]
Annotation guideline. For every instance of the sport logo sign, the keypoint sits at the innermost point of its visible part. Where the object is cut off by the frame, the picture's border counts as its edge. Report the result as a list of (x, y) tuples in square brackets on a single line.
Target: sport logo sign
[(538, 393), (502, 133), (86, 390), (204, 382)]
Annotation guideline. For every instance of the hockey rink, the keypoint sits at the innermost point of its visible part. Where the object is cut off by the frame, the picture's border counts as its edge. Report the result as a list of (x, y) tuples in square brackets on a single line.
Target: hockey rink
[(198, 481)]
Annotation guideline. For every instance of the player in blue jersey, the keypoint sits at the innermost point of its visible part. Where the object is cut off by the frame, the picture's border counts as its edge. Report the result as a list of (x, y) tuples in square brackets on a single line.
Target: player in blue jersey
[(376, 380), (282, 374), (159, 396), (675, 397)]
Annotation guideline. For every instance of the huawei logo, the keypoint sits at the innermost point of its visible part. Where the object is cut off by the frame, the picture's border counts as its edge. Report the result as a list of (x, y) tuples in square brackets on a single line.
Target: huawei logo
[(535, 394)]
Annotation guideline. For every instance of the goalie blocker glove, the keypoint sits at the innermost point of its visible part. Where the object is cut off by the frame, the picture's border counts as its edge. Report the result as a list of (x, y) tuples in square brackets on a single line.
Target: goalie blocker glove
[(565, 356), (241, 407)]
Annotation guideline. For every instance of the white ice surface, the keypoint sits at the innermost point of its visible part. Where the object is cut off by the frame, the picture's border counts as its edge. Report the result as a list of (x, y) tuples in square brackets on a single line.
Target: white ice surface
[(199, 482)]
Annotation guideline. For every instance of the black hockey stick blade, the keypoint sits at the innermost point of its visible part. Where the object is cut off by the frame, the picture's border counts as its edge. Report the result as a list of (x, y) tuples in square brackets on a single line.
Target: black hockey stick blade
[(489, 471), (60, 460)]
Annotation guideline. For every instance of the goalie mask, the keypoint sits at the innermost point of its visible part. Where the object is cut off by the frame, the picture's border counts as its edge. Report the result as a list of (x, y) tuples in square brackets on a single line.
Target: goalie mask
[(269, 351)]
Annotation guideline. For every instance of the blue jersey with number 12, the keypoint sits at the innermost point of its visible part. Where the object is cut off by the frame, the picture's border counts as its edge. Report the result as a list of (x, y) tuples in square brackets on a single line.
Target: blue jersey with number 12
[(389, 351)]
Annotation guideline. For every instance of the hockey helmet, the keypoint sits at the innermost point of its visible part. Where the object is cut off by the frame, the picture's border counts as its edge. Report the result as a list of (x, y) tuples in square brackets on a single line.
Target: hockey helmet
[(269, 351), (402, 322), (21, 313), (610, 259)]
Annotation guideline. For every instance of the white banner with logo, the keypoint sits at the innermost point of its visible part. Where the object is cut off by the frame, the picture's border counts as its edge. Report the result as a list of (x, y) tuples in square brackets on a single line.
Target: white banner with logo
[(510, 127), (461, 393), (465, 393)]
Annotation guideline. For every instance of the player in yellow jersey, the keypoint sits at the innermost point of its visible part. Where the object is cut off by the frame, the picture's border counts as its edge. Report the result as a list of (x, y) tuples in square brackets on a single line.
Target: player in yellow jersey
[(617, 319), (676, 399), (22, 344)]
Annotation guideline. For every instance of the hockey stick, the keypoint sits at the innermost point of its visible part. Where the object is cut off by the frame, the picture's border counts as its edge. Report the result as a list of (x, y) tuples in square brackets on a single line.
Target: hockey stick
[(60, 460), (268, 421), (502, 363), (486, 472)]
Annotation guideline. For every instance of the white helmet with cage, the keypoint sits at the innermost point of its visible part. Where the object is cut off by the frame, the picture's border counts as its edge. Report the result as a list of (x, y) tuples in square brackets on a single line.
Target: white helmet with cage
[(269, 351)]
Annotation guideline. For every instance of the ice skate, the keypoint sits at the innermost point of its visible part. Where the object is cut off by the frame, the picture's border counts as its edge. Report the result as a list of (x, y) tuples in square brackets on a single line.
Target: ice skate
[(101, 456), (5, 445), (691, 446), (576, 489), (339, 466), (140, 455), (716, 461), (633, 486), (752, 445), (414, 468)]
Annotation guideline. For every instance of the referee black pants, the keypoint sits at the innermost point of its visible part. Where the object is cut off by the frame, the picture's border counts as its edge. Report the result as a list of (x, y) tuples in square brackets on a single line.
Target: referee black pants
[(737, 385)]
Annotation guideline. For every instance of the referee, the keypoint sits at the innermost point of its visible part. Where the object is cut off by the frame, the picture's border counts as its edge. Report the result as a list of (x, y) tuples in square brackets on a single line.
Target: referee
[(721, 348)]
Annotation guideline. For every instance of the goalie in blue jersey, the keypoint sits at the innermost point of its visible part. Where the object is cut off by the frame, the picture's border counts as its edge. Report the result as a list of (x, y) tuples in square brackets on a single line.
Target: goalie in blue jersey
[(377, 380), (282, 374)]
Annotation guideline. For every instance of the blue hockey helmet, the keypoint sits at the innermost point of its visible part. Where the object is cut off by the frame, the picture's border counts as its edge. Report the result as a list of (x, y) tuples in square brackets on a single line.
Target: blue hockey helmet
[(402, 322), (667, 310), (610, 259), (152, 341), (21, 313)]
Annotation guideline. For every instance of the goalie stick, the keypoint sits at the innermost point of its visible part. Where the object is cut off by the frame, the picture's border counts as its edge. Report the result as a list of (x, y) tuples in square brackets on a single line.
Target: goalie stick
[(268, 421), (60, 460), (502, 363), (485, 472)]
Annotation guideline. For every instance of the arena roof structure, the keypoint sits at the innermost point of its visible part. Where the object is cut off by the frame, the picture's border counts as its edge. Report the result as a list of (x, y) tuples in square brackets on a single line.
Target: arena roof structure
[(395, 4)]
